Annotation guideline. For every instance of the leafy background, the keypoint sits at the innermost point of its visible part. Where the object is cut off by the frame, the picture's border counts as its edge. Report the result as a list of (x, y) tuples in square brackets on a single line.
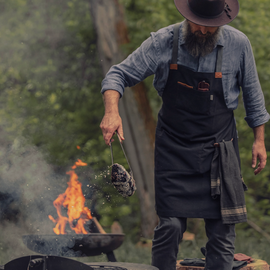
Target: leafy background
[(50, 79)]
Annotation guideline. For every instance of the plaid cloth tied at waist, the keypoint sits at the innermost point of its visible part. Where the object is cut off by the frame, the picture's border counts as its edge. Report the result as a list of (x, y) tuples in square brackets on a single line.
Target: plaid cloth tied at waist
[(227, 183)]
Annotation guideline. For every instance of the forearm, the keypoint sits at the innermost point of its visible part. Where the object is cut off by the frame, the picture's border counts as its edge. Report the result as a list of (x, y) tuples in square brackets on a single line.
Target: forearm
[(258, 149), (111, 99), (111, 121), (259, 134)]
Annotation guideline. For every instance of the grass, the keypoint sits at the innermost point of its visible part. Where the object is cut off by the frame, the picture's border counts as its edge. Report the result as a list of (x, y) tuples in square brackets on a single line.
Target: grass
[(254, 247), (257, 248)]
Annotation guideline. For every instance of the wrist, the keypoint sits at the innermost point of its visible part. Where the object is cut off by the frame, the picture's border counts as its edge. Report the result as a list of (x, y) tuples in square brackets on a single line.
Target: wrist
[(259, 141), (259, 134), (111, 111), (111, 99)]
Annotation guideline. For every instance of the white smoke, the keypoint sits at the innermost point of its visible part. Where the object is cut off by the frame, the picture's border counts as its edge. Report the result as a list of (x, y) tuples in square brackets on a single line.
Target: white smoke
[(28, 187)]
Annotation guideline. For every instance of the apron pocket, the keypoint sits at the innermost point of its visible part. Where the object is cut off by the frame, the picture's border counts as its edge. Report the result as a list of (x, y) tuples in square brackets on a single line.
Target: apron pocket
[(172, 154), (194, 101)]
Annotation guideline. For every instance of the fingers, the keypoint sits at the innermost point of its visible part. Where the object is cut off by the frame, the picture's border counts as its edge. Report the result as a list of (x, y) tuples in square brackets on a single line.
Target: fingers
[(261, 164), (258, 154), (107, 132), (108, 137), (259, 168), (109, 125), (254, 159), (120, 133)]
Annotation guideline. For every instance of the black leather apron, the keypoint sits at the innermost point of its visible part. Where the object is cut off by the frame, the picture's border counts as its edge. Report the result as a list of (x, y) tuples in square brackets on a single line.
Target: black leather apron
[(189, 123)]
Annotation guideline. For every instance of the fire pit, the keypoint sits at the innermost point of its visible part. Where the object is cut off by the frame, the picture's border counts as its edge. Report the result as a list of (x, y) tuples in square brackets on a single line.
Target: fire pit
[(80, 242), (77, 245)]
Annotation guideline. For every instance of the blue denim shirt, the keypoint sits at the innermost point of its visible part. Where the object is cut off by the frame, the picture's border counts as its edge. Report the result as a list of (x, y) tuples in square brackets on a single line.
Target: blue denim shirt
[(238, 69)]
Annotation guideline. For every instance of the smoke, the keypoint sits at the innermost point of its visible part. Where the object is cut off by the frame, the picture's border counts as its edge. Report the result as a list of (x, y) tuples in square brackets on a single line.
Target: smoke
[(28, 187)]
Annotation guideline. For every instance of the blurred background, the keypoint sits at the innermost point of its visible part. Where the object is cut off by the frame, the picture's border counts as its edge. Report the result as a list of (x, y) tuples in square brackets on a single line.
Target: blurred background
[(53, 57)]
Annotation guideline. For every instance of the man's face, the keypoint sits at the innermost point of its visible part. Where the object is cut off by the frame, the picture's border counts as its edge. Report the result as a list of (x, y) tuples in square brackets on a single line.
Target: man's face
[(200, 40), (201, 30)]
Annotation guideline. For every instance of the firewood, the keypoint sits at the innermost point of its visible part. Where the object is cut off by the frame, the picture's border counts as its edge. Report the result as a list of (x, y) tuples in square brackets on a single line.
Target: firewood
[(99, 227)]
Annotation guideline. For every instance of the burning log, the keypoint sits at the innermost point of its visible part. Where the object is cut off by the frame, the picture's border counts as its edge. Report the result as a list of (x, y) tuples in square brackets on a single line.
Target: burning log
[(100, 229), (72, 199)]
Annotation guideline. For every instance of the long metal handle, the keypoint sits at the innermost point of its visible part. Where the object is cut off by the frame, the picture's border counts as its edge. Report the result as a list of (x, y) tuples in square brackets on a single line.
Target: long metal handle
[(111, 152), (123, 152)]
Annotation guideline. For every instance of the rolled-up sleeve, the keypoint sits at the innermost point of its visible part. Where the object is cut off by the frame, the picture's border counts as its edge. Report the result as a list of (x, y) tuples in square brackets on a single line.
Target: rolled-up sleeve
[(135, 68), (254, 103)]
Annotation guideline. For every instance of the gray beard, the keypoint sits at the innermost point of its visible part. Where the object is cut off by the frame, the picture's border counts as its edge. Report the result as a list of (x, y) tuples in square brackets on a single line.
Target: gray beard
[(199, 45)]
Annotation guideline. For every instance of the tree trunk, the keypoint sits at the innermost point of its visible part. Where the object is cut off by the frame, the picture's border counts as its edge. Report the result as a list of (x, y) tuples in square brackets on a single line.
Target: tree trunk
[(138, 122)]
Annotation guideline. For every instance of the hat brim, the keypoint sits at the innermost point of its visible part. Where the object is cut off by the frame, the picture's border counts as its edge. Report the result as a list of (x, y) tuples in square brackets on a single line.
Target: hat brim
[(184, 9)]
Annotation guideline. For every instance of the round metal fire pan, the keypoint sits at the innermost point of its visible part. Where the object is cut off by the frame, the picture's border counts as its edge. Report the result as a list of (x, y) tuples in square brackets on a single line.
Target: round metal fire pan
[(77, 245)]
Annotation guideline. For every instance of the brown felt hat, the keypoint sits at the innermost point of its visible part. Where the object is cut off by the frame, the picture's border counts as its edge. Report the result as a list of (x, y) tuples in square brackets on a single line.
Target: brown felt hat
[(208, 12)]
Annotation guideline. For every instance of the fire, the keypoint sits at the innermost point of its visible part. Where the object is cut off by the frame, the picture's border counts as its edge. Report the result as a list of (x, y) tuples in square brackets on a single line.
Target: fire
[(73, 200)]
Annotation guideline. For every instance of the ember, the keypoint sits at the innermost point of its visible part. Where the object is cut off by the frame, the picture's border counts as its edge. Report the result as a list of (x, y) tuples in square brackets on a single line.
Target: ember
[(73, 200)]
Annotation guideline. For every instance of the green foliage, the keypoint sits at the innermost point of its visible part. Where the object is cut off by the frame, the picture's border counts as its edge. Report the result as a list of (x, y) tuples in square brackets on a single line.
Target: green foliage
[(145, 17), (50, 77)]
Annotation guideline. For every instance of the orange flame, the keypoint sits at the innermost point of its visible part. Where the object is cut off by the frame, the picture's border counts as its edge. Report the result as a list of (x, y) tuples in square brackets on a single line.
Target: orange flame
[(73, 200)]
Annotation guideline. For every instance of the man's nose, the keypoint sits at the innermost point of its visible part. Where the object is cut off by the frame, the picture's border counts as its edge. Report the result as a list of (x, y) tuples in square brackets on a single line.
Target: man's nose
[(203, 29)]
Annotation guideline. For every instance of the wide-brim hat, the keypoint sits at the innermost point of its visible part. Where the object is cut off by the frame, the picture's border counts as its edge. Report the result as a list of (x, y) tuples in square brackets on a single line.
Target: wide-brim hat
[(208, 12)]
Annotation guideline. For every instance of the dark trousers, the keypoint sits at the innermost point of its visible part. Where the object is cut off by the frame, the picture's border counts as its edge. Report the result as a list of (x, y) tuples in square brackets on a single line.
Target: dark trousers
[(169, 233)]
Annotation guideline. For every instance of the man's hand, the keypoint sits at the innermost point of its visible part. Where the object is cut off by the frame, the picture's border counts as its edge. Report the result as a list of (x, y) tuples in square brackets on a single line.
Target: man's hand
[(258, 153), (111, 121), (258, 149)]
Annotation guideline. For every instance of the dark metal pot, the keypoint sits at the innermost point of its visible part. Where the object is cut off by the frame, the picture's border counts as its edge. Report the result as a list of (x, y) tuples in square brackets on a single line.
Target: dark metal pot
[(75, 245)]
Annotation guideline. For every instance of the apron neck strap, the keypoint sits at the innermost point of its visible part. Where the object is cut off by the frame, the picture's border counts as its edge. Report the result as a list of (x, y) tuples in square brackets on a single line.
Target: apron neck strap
[(219, 58), (175, 43)]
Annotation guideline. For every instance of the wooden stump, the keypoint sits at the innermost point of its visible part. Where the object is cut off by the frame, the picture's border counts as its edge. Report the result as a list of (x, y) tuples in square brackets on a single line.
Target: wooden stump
[(255, 265)]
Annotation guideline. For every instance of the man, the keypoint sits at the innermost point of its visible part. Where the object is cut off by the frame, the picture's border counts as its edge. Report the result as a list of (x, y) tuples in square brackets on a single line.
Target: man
[(199, 67)]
